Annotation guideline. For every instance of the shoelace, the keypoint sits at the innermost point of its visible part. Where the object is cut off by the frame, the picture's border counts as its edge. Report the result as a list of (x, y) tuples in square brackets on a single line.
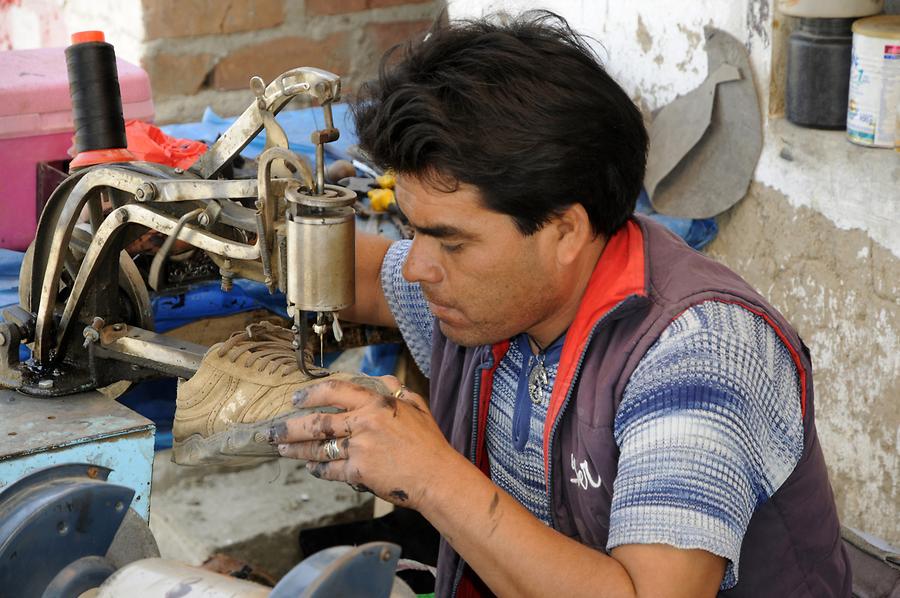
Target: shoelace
[(268, 345)]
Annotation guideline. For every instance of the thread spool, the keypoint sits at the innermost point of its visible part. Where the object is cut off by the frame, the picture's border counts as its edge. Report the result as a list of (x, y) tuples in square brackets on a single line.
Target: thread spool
[(96, 101)]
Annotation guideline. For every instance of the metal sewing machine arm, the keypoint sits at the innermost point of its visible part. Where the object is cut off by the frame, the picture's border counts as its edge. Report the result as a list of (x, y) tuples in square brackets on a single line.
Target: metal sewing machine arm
[(302, 232), (325, 87)]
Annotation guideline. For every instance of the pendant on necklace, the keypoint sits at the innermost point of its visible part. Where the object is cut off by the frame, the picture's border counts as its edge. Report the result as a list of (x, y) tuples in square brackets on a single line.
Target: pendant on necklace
[(538, 381)]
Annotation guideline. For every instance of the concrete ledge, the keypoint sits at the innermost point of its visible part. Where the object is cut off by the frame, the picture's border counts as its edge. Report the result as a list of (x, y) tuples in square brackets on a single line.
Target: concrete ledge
[(253, 514), (853, 186)]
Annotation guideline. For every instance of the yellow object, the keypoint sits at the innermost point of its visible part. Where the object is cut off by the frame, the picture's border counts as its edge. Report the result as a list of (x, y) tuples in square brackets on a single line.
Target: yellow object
[(387, 180), (381, 199)]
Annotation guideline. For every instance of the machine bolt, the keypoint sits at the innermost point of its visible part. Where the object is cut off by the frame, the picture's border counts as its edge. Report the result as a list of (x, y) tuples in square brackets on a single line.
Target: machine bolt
[(227, 276), (90, 336), (179, 171), (92, 333), (146, 192), (45, 384), (203, 219), (2, 339), (385, 555)]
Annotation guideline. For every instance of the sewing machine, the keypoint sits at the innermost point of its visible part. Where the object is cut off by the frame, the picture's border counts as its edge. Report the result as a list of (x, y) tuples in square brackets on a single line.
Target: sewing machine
[(84, 306), (67, 450)]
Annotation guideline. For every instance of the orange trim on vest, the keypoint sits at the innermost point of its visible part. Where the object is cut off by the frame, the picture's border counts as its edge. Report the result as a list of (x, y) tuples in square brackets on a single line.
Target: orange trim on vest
[(484, 399), (620, 273)]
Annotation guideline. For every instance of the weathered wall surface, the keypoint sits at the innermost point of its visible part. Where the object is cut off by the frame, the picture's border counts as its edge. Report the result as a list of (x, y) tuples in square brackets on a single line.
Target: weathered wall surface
[(841, 291)]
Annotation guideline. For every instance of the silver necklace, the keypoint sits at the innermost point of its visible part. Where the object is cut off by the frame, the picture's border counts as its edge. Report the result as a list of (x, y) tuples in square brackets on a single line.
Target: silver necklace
[(538, 380)]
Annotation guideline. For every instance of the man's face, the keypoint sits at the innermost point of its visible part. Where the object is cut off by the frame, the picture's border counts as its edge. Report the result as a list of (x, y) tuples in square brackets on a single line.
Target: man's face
[(484, 280)]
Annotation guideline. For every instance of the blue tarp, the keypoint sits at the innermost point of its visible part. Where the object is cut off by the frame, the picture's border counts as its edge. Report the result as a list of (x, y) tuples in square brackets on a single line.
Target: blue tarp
[(297, 124), (10, 265)]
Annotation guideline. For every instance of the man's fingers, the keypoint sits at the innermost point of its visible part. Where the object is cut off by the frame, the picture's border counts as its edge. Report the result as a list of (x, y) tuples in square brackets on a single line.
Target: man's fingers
[(315, 426), (328, 470), (399, 391), (334, 449), (333, 392), (372, 383)]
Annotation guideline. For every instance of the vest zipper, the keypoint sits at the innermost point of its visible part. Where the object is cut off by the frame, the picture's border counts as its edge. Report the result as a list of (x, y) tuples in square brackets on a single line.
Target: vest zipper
[(472, 449), (565, 404)]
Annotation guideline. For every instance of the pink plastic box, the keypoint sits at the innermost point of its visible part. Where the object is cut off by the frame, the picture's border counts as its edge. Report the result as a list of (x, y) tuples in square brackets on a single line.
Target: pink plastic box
[(36, 126)]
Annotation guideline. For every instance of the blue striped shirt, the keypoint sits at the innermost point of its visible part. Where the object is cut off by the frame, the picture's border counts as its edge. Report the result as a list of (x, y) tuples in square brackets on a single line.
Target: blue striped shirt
[(708, 428)]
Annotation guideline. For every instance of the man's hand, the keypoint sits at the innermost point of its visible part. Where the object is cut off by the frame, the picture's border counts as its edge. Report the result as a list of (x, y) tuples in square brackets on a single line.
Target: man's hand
[(388, 444)]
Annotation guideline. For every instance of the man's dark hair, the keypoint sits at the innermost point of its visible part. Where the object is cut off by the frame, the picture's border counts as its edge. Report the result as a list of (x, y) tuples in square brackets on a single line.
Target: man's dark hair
[(523, 110)]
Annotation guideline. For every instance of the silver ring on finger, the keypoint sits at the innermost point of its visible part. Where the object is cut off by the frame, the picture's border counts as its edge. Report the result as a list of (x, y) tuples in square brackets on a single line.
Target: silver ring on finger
[(331, 449)]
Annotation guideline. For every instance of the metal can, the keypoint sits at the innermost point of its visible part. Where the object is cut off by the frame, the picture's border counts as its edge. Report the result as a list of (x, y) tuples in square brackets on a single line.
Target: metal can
[(874, 81), (818, 61)]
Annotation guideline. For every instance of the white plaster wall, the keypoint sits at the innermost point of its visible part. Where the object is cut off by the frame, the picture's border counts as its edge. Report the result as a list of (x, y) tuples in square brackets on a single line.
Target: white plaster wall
[(50, 23), (654, 48)]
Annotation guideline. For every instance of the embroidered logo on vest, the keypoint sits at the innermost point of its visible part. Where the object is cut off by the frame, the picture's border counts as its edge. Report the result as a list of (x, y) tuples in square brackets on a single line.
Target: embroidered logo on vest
[(583, 475)]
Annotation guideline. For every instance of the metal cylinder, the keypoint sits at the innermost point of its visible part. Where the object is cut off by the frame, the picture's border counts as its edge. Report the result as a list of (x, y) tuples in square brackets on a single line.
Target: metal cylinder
[(161, 578), (818, 64), (320, 260)]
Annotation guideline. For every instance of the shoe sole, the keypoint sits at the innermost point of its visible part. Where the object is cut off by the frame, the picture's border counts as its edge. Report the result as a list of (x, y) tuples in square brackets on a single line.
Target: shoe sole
[(239, 445)]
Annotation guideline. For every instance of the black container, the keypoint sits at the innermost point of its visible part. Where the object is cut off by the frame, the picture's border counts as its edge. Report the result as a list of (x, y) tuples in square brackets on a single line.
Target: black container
[(818, 73)]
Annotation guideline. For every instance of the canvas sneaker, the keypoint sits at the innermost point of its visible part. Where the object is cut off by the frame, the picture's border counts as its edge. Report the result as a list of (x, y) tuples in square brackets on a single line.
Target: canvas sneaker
[(243, 387)]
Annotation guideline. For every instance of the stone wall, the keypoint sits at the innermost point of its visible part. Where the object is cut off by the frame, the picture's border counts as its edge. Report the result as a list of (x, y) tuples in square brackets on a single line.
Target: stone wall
[(202, 53)]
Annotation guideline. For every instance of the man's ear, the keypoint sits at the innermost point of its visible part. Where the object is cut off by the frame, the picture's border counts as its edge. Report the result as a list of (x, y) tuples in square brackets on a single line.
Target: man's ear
[(574, 232)]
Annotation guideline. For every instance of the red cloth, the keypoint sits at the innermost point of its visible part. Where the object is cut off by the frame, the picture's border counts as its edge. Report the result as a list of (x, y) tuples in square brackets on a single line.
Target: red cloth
[(149, 144)]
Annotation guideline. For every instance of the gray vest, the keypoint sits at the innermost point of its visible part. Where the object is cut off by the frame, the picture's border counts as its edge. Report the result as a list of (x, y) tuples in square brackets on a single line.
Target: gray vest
[(646, 278)]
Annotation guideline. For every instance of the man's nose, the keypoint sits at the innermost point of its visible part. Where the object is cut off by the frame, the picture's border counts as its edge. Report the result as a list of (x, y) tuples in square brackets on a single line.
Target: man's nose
[(421, 265)]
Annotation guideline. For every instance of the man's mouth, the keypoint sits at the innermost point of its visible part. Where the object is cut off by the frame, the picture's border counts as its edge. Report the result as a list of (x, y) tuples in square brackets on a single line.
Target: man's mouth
[(438, 309)]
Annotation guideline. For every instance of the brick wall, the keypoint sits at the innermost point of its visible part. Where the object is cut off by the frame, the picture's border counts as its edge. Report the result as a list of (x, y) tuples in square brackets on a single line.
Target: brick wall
[(202, 53)]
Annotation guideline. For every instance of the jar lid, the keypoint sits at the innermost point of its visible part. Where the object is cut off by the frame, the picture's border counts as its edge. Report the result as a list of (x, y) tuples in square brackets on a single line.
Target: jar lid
[(830, 9), (883, 26)]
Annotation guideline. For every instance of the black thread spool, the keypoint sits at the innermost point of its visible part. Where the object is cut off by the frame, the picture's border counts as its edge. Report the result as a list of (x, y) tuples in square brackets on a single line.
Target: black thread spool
[(96, 99)]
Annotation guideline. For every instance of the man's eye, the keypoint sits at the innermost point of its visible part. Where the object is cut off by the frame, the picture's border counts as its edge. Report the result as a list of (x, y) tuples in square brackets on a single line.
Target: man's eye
[(451, 248)]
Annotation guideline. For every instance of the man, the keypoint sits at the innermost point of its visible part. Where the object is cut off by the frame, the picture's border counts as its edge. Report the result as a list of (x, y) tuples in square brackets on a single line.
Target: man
[(611, 413)]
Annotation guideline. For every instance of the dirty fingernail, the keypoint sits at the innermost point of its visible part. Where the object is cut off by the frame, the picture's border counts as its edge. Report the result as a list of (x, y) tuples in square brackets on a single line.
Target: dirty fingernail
[(282, 449), (313, 469), (300, 397), (277, 432)]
